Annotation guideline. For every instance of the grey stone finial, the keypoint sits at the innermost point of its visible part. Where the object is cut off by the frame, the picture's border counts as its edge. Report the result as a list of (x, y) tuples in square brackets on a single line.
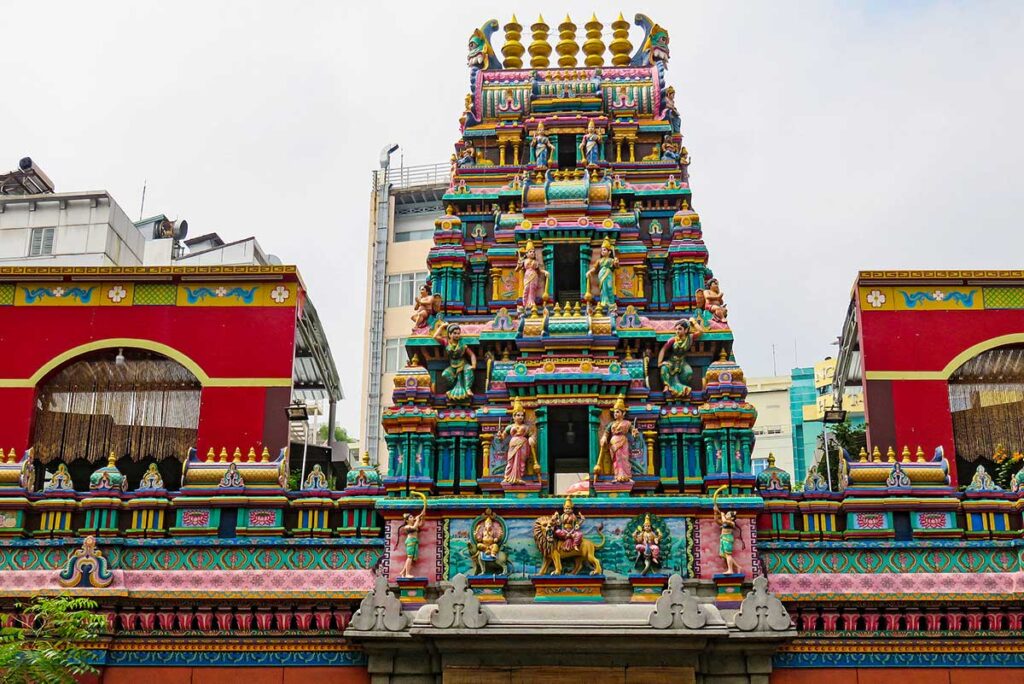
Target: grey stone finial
[(762, 611), (380, 611), (676, 608), (459, 607)]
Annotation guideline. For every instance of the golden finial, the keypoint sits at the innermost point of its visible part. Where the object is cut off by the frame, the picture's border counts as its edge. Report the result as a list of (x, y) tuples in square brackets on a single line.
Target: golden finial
[(593, 48), (920, 454), (364, 458), (111, 460), (876, 455), (11, 456), (567, 46), (211, 455), (890, 455), (576, 309), (620, 47), (539, 49), (905, 454), (251, 456), (512, 49), (620, 404), (771, 460), (223, 454), (863, 455), (237, 456), (265, 455), (557, 311)]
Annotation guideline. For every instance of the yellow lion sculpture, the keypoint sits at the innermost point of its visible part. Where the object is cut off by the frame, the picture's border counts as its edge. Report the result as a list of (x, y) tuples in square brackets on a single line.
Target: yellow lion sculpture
[(553, 552)]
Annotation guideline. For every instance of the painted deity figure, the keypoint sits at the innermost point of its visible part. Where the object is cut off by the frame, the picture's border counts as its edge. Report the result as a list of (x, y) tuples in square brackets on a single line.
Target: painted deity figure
[(522, 446), (426, 307), (590, 145), (533, 270), (615, 449), (461, 363), (669, 111), (488, 536), (669, 149), (467, 157), (675, 371), (605, 267), (647, 542), (542, 146), (712, 300), (727, 539), (411, 529), (569, 527)]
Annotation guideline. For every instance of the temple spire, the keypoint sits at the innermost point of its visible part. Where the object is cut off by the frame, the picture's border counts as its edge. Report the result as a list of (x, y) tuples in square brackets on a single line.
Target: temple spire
[(513, 50), (540, 49), (593, 48), (567, 46), (620, 47)]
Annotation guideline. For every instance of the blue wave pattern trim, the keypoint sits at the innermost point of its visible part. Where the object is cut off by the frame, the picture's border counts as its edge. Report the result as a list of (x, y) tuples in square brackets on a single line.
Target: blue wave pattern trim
[(40, 293), (198, 294), (964, 299), (958, 659), (139, 658)]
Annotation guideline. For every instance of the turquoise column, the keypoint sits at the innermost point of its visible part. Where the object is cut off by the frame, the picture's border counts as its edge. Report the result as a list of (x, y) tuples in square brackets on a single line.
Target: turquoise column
[(594, 427), (585, 252), (668, 472), (467, 471), (445, 462), (542, 439)]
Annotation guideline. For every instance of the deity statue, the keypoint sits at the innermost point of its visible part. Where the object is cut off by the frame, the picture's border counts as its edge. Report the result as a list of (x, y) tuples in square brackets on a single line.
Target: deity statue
[(411, 529), (614, 457), (459, 373), (605, 267), (675, 371), (684, 164), (590, 145), (467, 157), (726, 541), (542, 146), (669, 149), (522, 446), (485, 547), (647, 542), (560, 535), (669, 111), (427, 306), (532, 269)]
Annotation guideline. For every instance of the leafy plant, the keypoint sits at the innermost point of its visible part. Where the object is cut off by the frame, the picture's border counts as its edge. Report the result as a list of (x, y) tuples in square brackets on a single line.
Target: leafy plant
[(47, 646)]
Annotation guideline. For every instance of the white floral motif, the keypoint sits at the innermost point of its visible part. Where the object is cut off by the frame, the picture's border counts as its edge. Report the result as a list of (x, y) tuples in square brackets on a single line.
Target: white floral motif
[(116, 294), (876, 298), (58, 292), (280, 294), (938, 295), (221, 292)]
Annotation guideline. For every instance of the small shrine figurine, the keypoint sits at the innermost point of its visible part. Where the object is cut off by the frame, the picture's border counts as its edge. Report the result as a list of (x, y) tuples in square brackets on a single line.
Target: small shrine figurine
[(542, 146), (605, 267), (614, 456), (590, 145), (532, 269), (726, 541), (648, 547), (485, 552), (522, 446), (411, 529), (427, 306), (459, 373), (675, 371), (560, 536)]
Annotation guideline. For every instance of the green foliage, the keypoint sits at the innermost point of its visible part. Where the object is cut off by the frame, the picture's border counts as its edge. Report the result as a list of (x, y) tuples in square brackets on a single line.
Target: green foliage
[(50, 649), (340, 435), (851, 438)]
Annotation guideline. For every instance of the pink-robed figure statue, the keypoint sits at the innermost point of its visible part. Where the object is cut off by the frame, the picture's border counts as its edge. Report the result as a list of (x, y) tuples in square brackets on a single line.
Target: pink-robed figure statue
[(614, 455), (533, 269), (522, 447)]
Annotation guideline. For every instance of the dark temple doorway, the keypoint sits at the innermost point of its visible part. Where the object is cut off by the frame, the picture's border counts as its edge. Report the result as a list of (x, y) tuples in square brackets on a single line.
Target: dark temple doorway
[(567, 273), (568, 446)]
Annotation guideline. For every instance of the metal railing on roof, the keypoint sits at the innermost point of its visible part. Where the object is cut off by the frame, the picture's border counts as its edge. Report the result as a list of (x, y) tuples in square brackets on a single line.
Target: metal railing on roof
[(402, 177)]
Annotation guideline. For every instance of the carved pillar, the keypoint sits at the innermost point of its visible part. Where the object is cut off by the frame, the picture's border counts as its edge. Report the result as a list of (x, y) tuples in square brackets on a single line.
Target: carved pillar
[(445, 462), (669, 474), (594, 427), (467, 469), (541, 416), (585, 251), (548, 253), (693, 480), (632, 149)]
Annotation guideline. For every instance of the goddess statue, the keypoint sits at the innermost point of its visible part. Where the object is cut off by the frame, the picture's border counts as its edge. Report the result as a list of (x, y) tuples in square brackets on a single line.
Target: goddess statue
[(427, 305), (675, 371), (569, 527), (726, 540), (613, 458), (532, 269), (542, 146), (459, 373), (669, 111), (648, 546), (605, 267), (522, 447), (411, 529), (590, 145)]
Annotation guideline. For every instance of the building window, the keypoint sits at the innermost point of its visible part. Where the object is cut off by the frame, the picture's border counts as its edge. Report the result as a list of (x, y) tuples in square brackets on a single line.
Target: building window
[(415, 226), (41, 243), (759, 464), (403, 287), (394, 355)]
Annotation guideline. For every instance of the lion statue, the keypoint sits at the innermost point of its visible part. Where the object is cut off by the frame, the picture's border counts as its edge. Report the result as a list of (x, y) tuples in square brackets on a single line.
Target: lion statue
[(553, 552)]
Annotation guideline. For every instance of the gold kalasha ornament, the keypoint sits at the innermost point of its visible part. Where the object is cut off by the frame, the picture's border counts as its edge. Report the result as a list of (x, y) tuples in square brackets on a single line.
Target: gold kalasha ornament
[(567, 46), (593, 48), (540, 49), (513, 50), (620, 47)]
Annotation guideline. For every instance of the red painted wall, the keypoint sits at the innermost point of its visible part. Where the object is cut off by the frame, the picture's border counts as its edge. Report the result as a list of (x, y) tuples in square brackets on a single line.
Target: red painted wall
[(886, 675), (233, 675)]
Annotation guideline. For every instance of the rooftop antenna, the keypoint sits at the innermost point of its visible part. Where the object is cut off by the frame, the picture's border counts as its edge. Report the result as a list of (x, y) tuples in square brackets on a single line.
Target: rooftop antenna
[(775, 370), (142, 206)]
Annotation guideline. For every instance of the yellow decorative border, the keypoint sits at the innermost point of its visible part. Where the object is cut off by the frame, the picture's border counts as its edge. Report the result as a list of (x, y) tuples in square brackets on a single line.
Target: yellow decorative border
[(130, 342), (145, 270), (921, 275), (957, 361)]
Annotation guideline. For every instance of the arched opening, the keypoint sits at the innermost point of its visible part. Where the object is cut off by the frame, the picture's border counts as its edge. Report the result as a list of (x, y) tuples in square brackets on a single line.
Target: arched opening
[(138, 404), (986, 400)]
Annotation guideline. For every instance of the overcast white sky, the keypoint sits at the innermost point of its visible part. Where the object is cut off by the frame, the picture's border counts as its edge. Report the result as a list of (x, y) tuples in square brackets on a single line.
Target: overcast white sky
[(826, 137)]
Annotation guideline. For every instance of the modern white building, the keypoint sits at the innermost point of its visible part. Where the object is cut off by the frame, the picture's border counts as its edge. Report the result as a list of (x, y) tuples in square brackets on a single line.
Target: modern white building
[(773, 430)]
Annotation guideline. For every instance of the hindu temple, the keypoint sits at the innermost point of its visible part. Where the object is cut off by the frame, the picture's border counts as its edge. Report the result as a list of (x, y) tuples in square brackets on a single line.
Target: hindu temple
[(567, 493)]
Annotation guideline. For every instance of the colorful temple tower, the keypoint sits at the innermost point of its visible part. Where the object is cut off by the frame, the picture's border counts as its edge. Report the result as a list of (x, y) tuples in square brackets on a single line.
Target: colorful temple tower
[(572, 337)]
